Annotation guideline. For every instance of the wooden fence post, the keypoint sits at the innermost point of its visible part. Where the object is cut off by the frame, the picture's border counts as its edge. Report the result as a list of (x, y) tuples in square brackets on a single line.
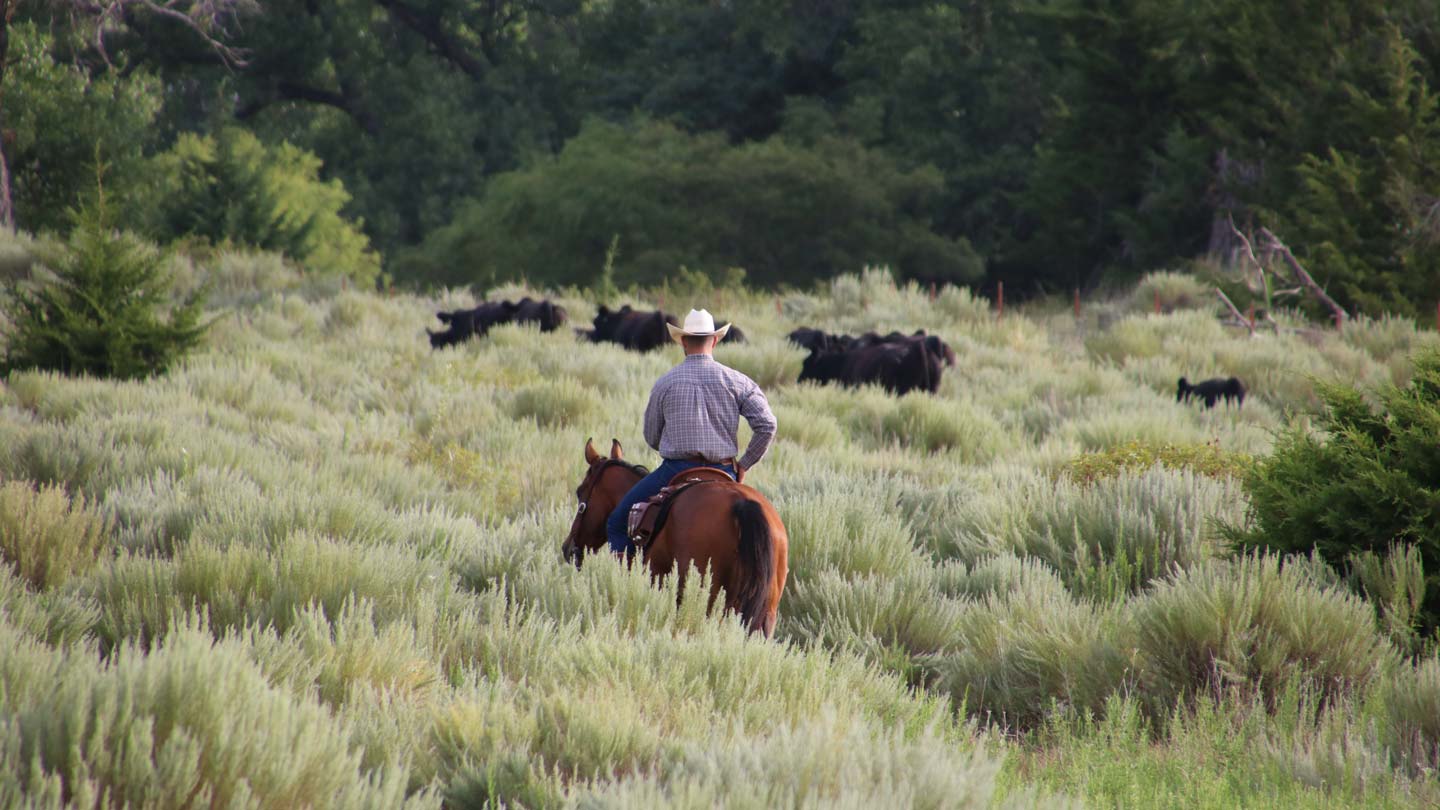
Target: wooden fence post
[(1077, 303), (1000, 298)]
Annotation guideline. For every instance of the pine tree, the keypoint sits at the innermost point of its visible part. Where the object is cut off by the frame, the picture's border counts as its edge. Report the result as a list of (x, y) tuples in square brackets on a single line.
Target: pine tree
[(1367, 212), (108, 312)]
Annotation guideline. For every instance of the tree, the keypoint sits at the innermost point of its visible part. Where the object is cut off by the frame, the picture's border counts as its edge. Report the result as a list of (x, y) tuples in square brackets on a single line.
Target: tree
[(1367, 213), (107, 313), (61, 118), (97, 21), (232, 188), (785, 213)]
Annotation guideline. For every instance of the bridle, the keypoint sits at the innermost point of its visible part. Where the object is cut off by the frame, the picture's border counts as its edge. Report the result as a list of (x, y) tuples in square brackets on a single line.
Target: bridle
[(573, 550), (592, 478)]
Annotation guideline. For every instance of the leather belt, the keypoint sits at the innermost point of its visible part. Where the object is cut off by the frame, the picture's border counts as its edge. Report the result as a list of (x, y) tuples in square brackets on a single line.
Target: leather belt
[(699, 459)]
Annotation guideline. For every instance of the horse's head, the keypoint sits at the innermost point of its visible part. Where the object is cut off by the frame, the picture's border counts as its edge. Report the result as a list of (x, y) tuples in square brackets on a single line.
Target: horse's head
[(606, 481)]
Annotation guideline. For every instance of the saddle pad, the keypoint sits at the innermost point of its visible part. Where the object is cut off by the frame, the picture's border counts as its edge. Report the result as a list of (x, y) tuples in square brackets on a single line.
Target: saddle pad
[(647, 517)]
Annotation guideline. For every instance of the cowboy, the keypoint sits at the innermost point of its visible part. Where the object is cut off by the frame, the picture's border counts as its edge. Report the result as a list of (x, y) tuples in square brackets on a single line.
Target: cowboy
[(692, 419)]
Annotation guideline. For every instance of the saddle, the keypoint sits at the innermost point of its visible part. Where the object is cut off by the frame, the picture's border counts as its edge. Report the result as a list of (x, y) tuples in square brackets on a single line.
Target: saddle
[(647, 517)]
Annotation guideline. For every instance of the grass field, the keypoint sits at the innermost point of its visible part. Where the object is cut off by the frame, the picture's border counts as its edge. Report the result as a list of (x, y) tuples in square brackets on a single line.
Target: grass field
[(318, 564)]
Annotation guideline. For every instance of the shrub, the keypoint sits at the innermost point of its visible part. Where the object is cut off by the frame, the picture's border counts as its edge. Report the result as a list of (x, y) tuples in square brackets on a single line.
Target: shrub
[(105, 313), (232, 188), (1105, 539), (825, 761), (1173, 291), (557, 403), (1137, 456), (1028, 652), (1367, 484), (1253, 626), (192, 721), (1410, 722), (46, 537)]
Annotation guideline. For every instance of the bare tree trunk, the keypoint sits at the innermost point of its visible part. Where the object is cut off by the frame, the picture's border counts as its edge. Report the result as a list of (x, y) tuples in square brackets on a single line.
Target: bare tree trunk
[(7, 205)]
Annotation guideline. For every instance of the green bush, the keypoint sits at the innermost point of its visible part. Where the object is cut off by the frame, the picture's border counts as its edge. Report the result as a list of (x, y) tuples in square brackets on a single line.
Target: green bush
[(105, 314), (1137, 456), (1367, 484), (785, 213), (1173, 290), (45, 536), (189, 722), (1410, 722), (1252, 626), (232, 188), (1035, 650)]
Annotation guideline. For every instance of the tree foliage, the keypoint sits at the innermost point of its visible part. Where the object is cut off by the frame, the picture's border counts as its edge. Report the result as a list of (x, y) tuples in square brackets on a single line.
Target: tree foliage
[(779, 211), (232, 188), (108, 312), (1372, 482), (1067, 141), (62, 118)]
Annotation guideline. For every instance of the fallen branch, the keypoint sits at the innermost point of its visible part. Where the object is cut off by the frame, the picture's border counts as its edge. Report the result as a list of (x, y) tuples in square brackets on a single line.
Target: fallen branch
[(1236, 312), (1276, 246)]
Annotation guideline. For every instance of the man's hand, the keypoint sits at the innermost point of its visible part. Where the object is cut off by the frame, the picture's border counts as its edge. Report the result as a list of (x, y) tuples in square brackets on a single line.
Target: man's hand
[(739, 473)]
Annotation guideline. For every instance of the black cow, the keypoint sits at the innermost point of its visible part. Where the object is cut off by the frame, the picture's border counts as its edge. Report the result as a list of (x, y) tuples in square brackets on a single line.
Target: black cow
[(933, 343), (734, 335), (467, 323), (639, 330), (816, 340), (631, 328), (1208, 391), (900, 367), (549, 315)]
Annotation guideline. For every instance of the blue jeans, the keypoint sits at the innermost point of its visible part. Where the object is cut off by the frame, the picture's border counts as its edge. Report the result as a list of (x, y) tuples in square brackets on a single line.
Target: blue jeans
[(644, 489)]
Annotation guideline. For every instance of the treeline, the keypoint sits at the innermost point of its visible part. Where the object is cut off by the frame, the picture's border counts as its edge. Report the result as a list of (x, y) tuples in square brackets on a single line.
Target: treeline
[(1049, 144)]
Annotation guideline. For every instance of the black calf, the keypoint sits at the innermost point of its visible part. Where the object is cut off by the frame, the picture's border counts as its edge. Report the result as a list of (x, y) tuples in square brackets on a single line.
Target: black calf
[(1209, 391)]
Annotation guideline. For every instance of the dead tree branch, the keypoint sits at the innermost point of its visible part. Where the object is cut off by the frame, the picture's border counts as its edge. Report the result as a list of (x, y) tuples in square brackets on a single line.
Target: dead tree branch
[(1274, 245), (211, 20), (1249, 324), (1249, 253)]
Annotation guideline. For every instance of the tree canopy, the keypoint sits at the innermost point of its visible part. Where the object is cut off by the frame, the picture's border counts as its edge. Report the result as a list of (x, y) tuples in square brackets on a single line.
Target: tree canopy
[(1047, 144)]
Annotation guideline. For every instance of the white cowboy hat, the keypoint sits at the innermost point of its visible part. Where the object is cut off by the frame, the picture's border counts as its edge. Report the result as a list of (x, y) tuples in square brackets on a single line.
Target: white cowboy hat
[(698, 323)]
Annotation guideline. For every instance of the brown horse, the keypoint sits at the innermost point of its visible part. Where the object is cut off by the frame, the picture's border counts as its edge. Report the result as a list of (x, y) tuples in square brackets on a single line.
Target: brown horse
[(725, 528)]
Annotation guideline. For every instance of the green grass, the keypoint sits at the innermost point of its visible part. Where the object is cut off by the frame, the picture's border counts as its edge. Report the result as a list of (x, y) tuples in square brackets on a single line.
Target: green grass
[(319, 562)]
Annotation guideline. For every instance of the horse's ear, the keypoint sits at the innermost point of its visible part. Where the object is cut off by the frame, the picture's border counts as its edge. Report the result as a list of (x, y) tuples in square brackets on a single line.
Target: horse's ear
[(616, 451), (590, 455)]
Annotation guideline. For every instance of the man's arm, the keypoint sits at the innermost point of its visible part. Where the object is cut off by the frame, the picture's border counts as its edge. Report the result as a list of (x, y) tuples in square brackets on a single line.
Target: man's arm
[(756, 410), (655, 418)]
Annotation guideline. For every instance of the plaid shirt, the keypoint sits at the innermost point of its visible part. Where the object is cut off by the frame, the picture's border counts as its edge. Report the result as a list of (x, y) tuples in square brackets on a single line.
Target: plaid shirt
[(695, 409)]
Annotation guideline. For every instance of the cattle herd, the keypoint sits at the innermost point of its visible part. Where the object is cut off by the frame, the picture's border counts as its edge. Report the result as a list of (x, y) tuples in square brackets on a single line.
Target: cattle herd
[(634, 329), (898, 362)]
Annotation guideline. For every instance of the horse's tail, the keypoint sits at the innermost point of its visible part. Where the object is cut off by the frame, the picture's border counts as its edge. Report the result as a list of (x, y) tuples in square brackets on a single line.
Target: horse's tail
[(757, 563)]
